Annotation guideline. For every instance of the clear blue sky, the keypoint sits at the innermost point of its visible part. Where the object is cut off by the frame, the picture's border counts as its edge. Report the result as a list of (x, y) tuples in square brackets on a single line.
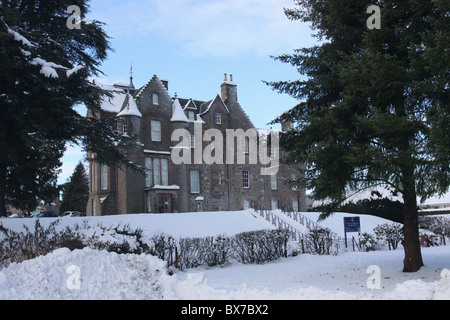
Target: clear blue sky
[(192, 43)]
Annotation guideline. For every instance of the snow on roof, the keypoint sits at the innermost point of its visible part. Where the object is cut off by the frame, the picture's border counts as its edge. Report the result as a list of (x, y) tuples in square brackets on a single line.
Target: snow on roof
[(131, 108), (114, 103), (178, 114)]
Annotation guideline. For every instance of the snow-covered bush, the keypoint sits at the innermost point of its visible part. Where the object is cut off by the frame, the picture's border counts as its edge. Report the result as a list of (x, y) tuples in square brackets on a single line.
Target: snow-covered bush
[(391, 233), (209, 251), (319, 241), (16, 247), (260, 246), (439, 226), (428, 240), (248, 247), (368, 242)]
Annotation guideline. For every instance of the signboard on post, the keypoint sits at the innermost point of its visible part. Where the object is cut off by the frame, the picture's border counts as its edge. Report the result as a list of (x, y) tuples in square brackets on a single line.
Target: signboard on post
[(351, 224)]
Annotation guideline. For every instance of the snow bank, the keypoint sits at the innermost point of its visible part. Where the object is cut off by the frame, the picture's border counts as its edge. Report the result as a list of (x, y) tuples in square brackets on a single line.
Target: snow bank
[(92, 275)]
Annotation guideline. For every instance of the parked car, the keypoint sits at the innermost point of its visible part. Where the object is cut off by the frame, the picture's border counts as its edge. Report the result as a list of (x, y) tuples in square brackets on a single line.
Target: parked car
[(48, 214), (68, 213), (72, 214)]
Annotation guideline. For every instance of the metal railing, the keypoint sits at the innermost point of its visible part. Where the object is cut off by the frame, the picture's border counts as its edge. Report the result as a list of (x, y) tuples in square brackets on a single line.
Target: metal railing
[(297, 216), (276, 221)]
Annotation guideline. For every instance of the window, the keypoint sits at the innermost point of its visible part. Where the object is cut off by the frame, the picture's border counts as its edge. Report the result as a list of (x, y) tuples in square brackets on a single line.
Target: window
[(295, 205), (156, 131), (273, 182), (155, 99), (191, 115), (274, 204), (218, 118), (195, 182), (149, 203), (246, 179), (157, 172), (164, 172), (149, 172), (104, 177), (125, 128)]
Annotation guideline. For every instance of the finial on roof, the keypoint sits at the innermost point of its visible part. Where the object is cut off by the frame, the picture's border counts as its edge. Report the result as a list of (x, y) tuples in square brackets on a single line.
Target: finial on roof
[(131, 85)]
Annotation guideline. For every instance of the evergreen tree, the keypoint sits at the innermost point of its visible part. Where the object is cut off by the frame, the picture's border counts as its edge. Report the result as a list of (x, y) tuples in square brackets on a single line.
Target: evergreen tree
[(46, 58), (374, 107), (76, 191)]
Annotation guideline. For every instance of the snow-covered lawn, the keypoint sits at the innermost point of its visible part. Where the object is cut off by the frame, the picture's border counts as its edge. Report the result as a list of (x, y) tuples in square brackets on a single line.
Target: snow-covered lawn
[(89, 274)]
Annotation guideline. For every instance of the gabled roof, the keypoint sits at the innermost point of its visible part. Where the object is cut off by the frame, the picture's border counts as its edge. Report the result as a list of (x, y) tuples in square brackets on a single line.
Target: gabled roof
[(204, 108), (191, 105), (154, 78)]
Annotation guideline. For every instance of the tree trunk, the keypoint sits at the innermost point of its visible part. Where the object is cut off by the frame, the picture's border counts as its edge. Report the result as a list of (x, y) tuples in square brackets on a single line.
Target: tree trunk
[(411, 243)]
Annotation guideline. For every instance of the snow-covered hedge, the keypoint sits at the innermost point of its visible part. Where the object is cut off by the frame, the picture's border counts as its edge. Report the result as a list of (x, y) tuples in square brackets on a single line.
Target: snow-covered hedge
[(248, 247)]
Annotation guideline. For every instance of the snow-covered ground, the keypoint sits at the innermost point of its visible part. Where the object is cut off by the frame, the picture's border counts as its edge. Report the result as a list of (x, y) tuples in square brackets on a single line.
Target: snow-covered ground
[(89, 274)]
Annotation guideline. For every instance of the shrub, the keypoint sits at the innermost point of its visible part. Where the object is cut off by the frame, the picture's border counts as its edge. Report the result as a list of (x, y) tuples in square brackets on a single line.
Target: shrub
[(368, 242), (16, 247), (427, 240), (248, 247), (261, 246), (438, 225), (391, 233), (319, 241)]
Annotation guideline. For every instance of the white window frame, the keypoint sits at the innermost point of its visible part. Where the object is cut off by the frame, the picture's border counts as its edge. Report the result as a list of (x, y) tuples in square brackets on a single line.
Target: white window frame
[(155, 130), (148, 172), (104, 177), (191, 115), (274, 204), (295, 205), (164, 172), (195, 181), (155, 98), (218, 118), (156, 172), (273, 182), (246, 179), (125, 128)]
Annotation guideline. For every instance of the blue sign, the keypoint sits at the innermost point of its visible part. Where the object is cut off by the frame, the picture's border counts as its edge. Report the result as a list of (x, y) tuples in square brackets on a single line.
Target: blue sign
[(352, 224)]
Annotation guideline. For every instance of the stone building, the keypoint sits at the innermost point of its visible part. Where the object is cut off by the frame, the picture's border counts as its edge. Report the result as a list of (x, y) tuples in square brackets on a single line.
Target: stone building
[(223, 183)]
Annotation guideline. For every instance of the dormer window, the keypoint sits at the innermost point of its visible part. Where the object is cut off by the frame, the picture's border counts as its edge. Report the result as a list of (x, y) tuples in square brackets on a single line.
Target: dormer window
[(191, 115), (155, 99)]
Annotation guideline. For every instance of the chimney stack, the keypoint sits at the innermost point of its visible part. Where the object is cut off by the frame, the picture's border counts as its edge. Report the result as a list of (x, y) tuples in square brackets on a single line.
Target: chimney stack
[(229, 90)]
